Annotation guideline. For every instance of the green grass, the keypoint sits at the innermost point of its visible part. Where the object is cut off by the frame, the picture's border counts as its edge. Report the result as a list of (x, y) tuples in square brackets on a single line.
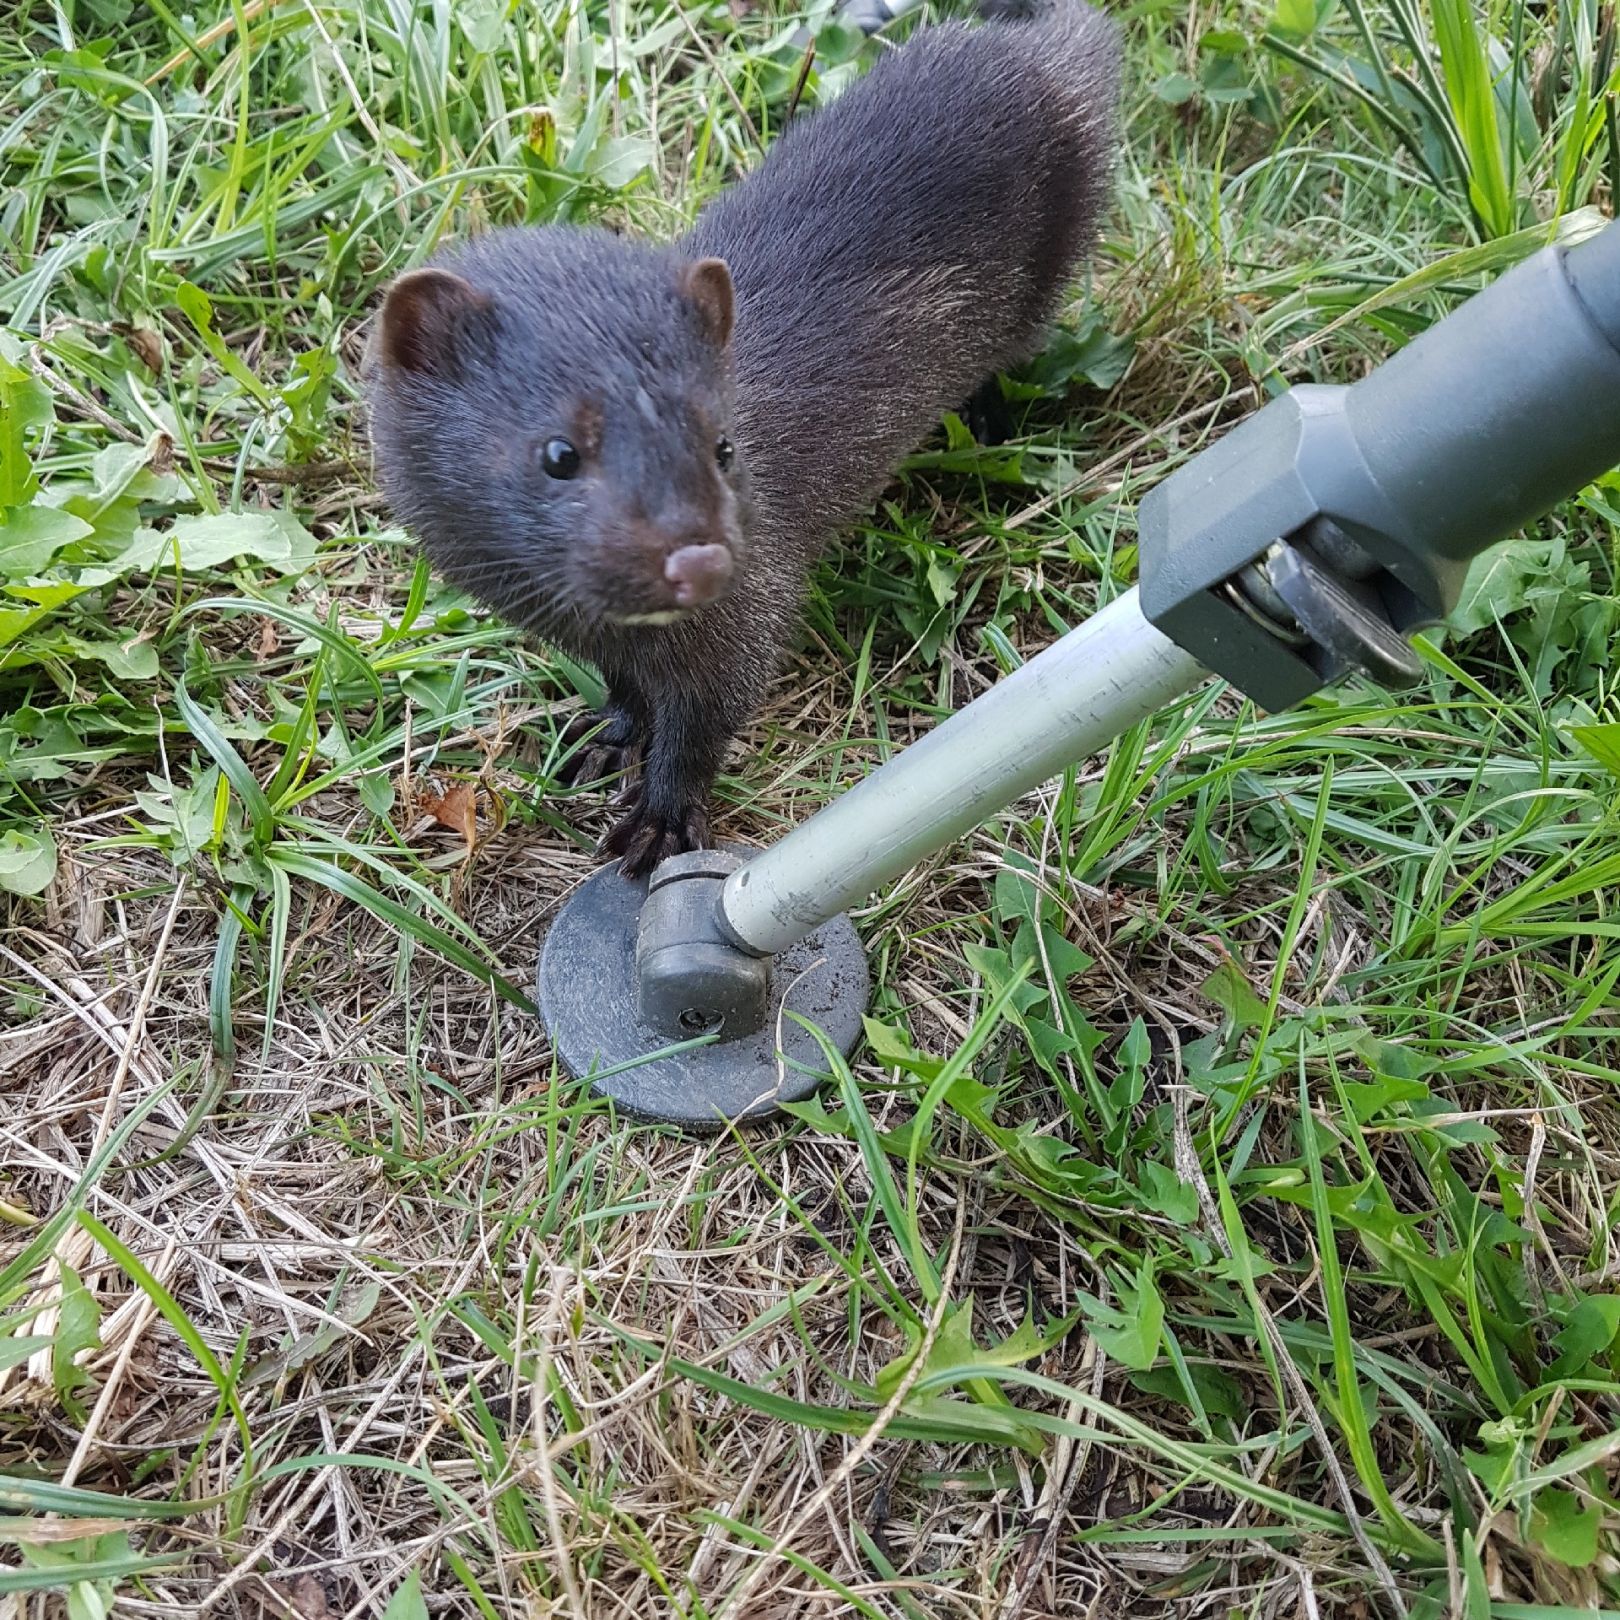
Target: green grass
[(1220, 1217)]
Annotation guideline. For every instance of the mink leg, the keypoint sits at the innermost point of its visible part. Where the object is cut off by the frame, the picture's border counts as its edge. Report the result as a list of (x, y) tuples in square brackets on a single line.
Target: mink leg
[(670, 810)]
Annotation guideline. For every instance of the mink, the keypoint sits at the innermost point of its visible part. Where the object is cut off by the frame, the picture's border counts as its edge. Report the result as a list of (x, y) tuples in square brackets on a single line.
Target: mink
[(638, 451)]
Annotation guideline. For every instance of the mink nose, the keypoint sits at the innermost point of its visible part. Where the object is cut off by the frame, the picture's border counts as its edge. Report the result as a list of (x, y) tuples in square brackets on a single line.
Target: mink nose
[(698, 574)]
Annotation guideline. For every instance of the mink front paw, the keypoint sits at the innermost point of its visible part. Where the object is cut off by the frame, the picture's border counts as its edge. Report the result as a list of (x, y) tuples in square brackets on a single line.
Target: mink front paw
[(988, 416), (644, 836), (614, 748)]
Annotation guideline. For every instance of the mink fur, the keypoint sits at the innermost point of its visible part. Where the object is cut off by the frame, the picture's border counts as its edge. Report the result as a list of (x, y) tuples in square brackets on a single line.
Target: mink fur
[(893, 252)]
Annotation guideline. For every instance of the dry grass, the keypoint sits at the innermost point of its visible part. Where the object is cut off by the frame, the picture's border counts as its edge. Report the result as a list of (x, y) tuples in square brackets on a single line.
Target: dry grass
[(1282, 1205), (339, 1230)]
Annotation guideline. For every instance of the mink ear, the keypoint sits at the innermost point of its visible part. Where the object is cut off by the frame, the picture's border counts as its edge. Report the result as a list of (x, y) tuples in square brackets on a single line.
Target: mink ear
[(706, 285), (424, 320)]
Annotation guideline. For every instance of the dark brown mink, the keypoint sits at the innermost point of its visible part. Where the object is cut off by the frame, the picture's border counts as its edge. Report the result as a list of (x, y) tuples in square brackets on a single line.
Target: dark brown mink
[(637, 452)]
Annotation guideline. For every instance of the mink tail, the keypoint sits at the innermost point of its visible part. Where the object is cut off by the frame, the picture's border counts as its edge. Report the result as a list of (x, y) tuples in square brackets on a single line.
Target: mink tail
[(1018, 10), (1067, 16), (1076, 38)]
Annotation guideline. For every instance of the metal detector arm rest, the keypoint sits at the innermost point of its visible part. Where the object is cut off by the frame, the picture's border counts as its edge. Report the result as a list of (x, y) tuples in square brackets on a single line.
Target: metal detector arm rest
[(1393, 485)]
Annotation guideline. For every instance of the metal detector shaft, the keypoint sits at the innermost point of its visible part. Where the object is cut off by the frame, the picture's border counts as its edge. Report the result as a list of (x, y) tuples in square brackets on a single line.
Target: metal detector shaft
[(1063, 705)]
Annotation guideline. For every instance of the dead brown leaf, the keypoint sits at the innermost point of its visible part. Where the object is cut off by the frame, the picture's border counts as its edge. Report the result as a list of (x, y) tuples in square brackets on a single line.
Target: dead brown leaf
[(268, 641), (146, 345), (304, 1596), (455, 809)]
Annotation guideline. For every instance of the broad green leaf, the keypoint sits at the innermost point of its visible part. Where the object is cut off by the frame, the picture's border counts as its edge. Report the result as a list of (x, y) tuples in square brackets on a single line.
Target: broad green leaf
[(1498, 583), (619, 160), (25, 403), (377, 793), (309, 1347), (1220, 1394), (1017, 900), (1063, 956), (1132, 1332), (1566, 1527), (1379, 1097), (32, 535), (483, 22), (958, 435), (889, 1045), (1229, 988), (115, 468), (198, 308), (196, 543), (14, 621), (1493, 1467), (90, 1600), (121, 480), (1093, 355), (1601, 742), (942, 578), (27, 860), (1588, 1331), (407, 1602), (1175, 89), (1164, 1191), (954, 1346), (1297, 17), (78, 1328), (182, 817), (132, 660)]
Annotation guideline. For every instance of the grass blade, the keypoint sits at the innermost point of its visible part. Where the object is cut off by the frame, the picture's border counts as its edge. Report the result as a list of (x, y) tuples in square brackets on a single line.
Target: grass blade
[(358, 892), (261, 817), (1472, 97)]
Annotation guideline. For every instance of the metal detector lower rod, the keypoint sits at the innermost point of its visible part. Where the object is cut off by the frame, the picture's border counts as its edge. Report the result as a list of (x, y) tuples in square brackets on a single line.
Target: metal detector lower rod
[(1063, 705)]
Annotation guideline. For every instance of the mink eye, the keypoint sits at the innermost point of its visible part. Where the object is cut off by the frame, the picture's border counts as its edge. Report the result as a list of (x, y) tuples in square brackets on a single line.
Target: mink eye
[(724, 453), (559, 458)]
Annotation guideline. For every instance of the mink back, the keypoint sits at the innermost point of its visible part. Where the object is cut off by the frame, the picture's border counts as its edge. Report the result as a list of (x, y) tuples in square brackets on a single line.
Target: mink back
[(893, 251), (905, 243)]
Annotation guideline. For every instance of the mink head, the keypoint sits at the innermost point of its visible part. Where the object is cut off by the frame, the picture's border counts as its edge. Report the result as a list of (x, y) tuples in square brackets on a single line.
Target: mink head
[(552, 416)]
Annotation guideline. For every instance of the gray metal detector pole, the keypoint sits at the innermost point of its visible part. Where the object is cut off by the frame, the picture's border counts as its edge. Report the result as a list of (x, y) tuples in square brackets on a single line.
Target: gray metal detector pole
[(1065, 704), (1312, 540)]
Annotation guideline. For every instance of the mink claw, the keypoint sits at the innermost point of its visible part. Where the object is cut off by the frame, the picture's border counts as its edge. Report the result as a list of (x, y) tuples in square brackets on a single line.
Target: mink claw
[(603, 746), (645, 837), (599, 763), (988, 416)]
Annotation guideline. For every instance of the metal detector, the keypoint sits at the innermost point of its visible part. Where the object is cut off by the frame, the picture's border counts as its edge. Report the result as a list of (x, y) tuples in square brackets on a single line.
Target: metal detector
[(1312, 540)]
